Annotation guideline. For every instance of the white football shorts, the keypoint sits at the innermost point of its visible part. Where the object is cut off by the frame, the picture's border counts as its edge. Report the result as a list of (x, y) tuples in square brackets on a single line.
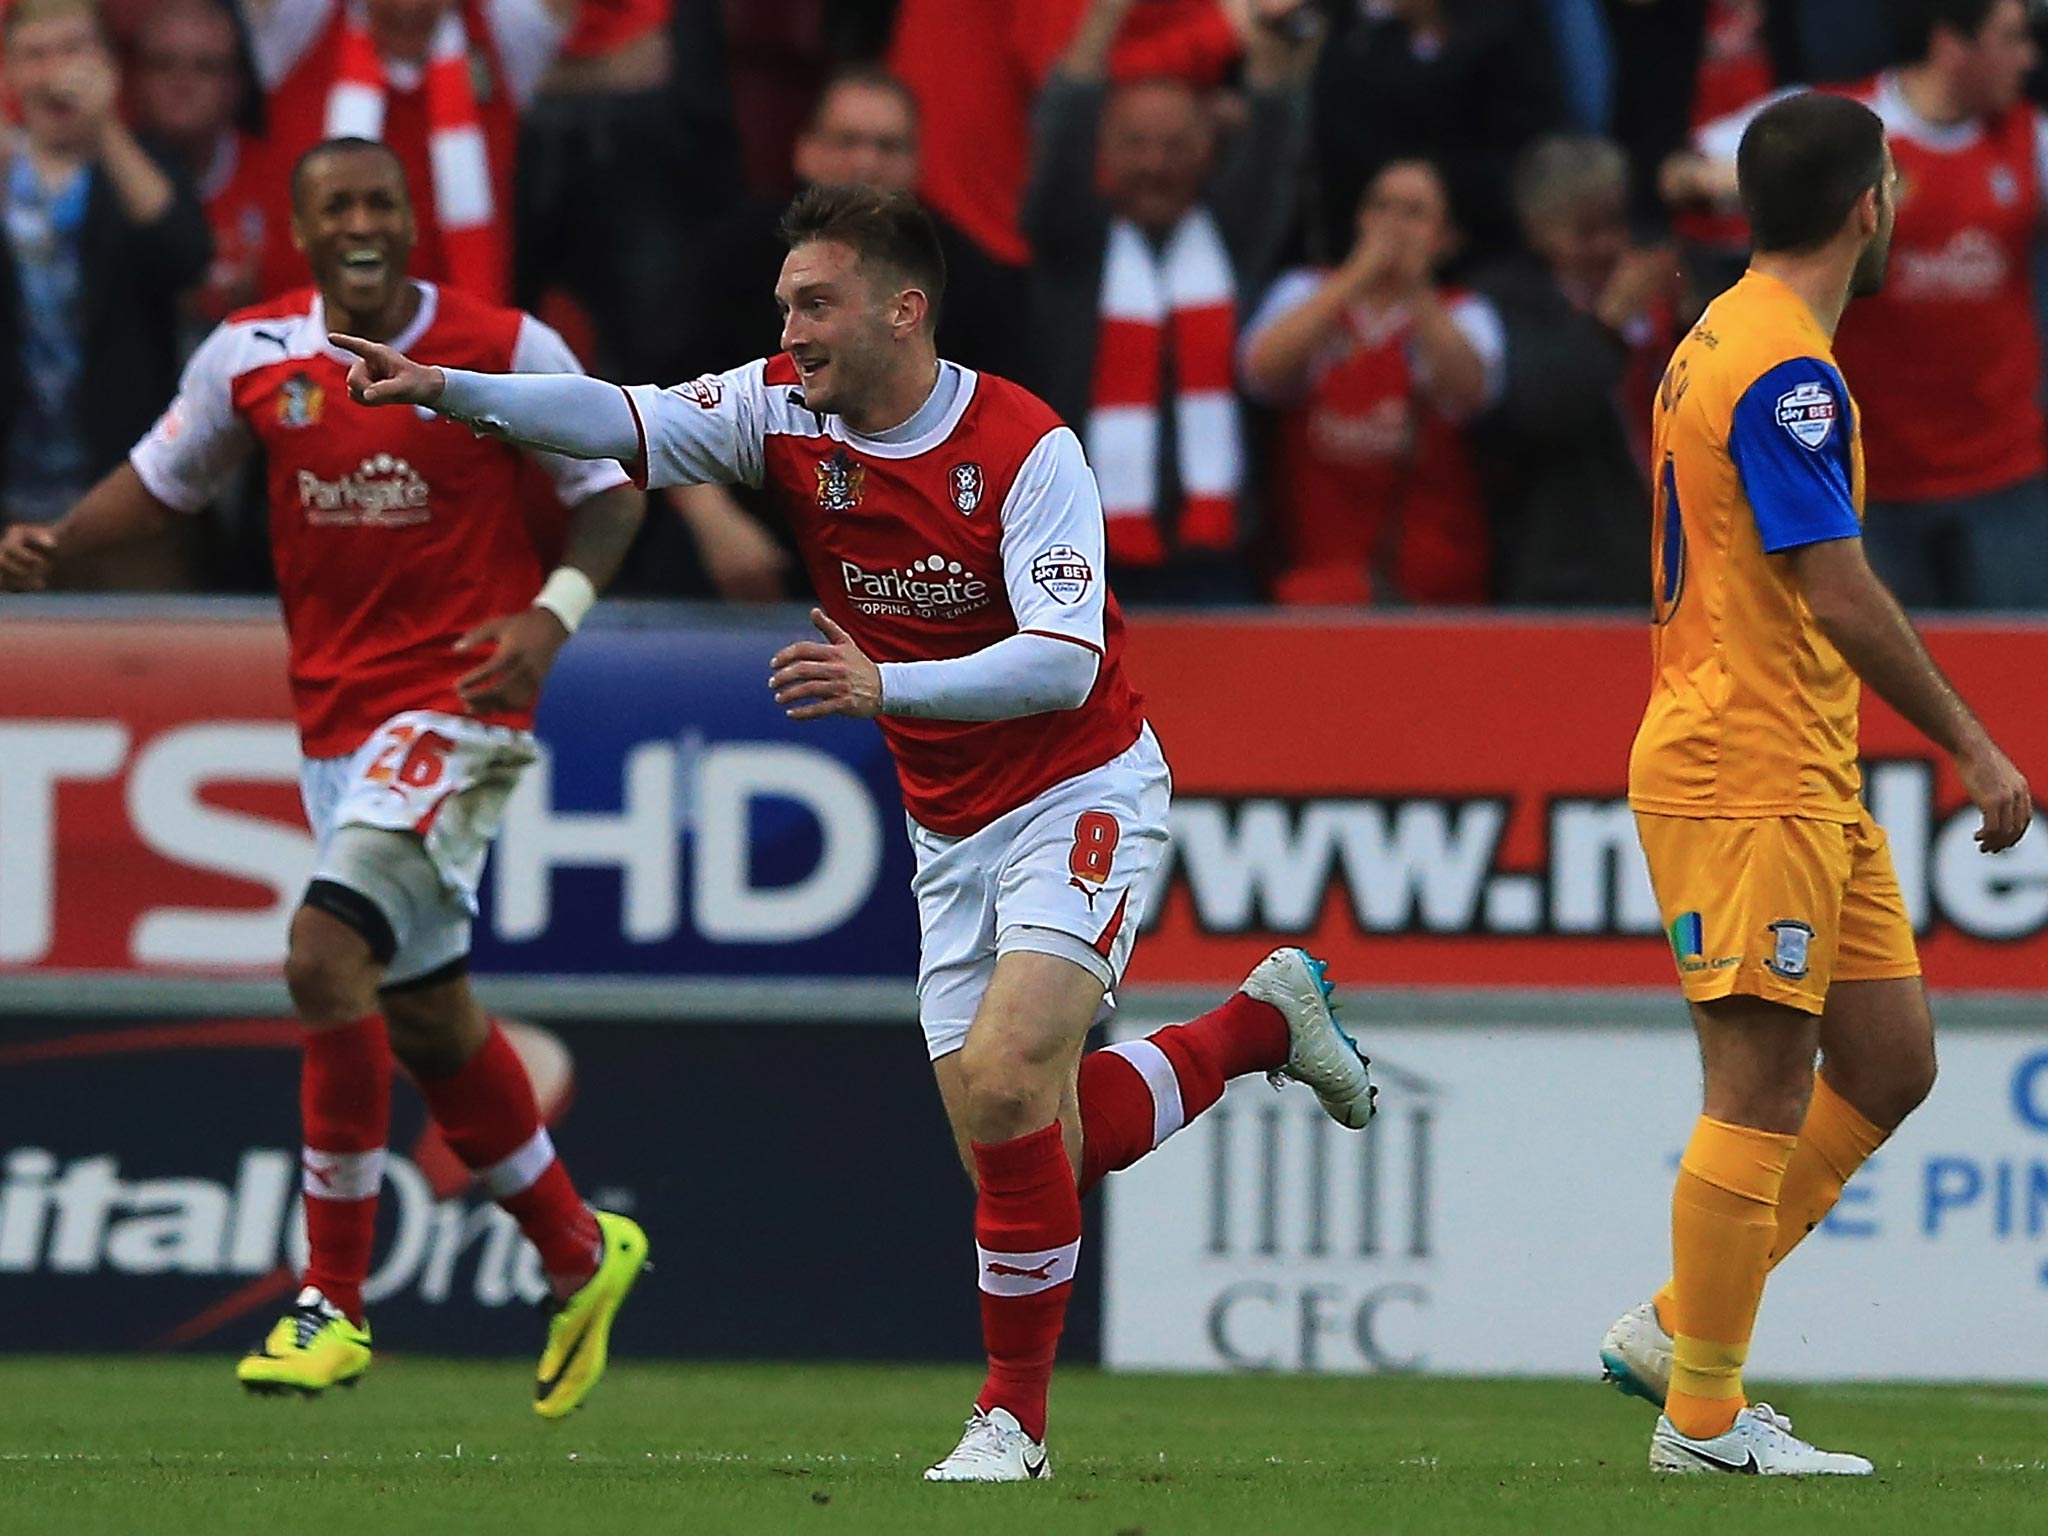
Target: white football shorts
[(1068, 874), (405, 822)]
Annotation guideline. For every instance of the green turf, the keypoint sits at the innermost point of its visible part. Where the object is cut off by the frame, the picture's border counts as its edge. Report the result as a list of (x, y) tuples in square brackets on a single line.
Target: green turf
[(165, 1446)]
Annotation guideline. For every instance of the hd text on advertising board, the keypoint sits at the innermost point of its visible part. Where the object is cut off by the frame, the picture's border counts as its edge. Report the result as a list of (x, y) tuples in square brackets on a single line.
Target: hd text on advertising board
[(1429, 802)]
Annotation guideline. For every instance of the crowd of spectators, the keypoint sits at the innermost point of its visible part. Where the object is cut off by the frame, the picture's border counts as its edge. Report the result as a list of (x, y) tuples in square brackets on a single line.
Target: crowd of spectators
[(1352, 301)]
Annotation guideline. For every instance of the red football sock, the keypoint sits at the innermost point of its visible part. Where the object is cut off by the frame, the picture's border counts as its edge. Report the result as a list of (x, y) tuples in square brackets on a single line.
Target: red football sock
[(1027, 1234), (487, 1113), (1135, 1095), (345, 1112)]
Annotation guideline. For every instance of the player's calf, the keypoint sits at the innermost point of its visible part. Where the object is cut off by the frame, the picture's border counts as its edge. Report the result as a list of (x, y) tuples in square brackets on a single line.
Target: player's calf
[(1281, 1022)]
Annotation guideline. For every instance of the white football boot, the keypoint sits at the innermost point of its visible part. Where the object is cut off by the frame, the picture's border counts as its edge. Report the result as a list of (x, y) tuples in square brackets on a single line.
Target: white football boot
[(1636, 1355), (1759, 1443), (995, 1449), (1319, 1053)]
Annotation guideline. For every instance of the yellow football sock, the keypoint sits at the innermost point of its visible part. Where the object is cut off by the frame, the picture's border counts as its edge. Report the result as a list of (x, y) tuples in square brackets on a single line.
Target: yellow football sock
[(1833, 1143), (1724, 1219)]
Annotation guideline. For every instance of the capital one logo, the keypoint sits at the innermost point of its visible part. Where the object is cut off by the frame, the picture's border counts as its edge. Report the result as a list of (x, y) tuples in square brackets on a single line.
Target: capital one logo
[(80, 1216)]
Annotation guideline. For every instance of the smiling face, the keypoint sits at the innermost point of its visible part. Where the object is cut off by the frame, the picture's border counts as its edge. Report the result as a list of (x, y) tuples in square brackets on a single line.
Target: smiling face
[(353, 219), (839, 325)]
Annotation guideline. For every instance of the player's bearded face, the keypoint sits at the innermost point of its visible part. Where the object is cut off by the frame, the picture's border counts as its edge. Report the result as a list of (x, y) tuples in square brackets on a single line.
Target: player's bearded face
[(835, 325), (1868, 278)]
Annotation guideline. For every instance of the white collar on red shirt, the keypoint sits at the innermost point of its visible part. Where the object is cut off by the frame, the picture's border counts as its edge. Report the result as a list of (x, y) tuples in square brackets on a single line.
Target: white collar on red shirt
[(1890, 103), (926, 428), (404, 341)]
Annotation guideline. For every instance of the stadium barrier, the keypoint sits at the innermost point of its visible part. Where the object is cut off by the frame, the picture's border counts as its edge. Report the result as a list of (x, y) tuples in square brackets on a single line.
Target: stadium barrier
[(692, 895), (1514, 1197)]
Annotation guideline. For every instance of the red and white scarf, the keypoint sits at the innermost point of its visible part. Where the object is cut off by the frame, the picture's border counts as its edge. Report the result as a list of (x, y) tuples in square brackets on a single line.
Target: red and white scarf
[(1187, 285), (465, 207)]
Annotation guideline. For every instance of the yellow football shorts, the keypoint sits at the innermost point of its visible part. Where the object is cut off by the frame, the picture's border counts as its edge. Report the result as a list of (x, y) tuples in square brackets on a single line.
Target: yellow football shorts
[(1777, 907)]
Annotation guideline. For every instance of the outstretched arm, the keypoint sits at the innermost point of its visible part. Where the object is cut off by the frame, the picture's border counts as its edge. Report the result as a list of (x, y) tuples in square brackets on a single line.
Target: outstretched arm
[(119, 510), (708, 431), (565, 413)]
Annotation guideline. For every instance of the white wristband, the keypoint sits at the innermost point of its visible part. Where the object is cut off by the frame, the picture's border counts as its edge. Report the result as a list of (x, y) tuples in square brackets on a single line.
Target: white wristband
[(569, 595)]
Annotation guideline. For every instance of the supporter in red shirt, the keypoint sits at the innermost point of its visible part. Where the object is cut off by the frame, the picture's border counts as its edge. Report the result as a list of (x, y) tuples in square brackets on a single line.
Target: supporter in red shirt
[(976, 69), (1945, 364), (186, 89), (442, 81), (1376, 372)]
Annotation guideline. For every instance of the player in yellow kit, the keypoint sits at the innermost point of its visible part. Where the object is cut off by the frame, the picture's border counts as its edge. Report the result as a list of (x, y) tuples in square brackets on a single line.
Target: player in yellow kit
[(1785, 917)]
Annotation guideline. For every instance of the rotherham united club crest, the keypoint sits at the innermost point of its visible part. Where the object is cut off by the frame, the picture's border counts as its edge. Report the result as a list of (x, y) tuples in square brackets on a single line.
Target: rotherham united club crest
[(840, 481), (300, 402), (967, 483)]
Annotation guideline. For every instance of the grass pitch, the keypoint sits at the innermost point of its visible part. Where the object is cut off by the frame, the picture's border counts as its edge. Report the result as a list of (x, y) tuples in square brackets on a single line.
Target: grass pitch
[(168, 1445)]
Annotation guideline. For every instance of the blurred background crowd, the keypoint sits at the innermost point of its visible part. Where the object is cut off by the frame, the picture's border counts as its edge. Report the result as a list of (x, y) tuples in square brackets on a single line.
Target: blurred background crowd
[(1353, 301)]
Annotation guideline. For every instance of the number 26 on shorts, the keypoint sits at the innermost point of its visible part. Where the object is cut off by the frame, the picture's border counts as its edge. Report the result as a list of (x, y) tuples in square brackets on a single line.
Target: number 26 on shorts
[(1095, 838), (425, 754)]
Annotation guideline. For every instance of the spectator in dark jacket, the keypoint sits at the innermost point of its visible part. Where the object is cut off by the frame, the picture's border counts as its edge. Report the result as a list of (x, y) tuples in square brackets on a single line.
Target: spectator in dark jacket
[(1585, 328), (1466, 84), (1140, 279), (102, 237)]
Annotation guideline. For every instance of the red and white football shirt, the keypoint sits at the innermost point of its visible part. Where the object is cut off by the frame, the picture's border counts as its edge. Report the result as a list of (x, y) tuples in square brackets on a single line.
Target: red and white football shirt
[(298, 46), (1961, 417), (393, 531), (984, 525), (1368, 466)]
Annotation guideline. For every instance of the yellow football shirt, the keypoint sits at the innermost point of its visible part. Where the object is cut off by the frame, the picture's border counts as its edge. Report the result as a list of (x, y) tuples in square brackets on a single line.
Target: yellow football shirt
[(1757, 452)]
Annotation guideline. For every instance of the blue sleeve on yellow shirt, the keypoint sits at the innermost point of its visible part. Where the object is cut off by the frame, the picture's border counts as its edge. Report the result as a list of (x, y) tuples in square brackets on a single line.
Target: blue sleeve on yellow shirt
[(1790, 440)]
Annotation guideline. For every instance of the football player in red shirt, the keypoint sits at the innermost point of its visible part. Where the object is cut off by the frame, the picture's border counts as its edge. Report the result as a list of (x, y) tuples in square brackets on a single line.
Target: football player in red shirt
[(422, 625), (954, 534)]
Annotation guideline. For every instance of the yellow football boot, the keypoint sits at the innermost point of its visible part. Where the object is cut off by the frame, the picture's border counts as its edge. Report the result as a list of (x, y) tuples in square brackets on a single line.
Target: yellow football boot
[(313, 1347), (579, 1333)]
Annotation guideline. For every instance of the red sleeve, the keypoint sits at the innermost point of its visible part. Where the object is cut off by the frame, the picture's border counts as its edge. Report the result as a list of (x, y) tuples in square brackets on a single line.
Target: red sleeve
[(1188, 39)]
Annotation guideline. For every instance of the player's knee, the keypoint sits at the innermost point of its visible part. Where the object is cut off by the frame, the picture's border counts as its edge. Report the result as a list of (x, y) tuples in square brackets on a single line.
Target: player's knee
[(1905, 1089), (328, 987), (1009, 1091)]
